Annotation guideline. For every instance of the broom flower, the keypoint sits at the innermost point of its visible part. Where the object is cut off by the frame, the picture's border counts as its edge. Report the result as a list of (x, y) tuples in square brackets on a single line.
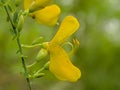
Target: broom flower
[(42, 12), (60, 64)]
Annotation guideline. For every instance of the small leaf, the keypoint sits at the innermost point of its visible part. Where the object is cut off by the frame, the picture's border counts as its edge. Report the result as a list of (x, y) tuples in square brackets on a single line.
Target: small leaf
[(15, 18), (10, 8)]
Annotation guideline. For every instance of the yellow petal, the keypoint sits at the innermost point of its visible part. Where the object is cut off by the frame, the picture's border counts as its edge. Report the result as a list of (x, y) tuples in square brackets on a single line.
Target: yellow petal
[(27, 4), (48, 16), (39, 4), (68, 26), (61, 66), (42, 2)]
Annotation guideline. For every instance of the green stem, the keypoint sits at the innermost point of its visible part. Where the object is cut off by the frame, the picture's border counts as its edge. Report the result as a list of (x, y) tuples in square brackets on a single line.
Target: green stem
[(23, 63), (14, 29), (20, 49), (43, 68), (30, 46)]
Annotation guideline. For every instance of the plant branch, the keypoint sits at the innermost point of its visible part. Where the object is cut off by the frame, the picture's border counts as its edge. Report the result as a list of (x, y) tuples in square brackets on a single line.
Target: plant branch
[(23, 63), (14, 29), (20, 49)]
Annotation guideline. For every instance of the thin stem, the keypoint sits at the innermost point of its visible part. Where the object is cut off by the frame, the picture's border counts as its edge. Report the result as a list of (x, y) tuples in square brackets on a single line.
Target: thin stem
[(14, 29), (43, 68), (23, 63), (20, 49), (30, 46)]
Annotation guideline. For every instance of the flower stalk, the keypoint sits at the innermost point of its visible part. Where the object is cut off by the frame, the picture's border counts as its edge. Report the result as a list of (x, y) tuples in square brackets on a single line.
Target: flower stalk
[(20, 47)]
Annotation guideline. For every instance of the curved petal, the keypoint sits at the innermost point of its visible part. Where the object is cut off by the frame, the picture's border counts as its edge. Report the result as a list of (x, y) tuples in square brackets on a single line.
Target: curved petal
[(39, 4), (48, 15), (42, 2), (61, 66), (68, 26), (27, 4)]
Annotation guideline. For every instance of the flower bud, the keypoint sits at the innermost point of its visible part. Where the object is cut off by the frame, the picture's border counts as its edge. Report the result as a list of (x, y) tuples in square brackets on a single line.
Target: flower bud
[(20, 23), (41, 54)]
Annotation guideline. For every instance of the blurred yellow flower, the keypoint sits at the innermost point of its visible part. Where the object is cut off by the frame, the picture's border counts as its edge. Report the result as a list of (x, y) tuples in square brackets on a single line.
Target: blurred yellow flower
[(35, 3), (44, 13), (42, 3), (60, 65), (27, 4), (48, 15)]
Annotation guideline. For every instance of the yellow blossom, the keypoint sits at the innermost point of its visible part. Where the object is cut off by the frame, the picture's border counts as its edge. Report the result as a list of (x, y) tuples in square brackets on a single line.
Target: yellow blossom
[(42, 12), (68, 26), (60, 65), (42, 2), (27, 4), (35, 3), (48, 15)]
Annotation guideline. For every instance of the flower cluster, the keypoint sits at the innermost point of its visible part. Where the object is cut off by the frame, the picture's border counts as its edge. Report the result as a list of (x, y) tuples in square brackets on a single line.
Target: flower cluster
[(48, 14)]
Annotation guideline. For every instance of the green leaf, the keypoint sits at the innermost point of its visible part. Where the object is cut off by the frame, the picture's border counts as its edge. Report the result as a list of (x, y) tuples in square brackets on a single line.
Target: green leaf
[(10, 8), (15, 18)]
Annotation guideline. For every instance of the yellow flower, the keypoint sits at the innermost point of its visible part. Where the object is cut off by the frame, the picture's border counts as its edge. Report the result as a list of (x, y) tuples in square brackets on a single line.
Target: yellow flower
[(42, 3), (47, 15), (60, 65), (35, 3), (27, 4), (68, 26)]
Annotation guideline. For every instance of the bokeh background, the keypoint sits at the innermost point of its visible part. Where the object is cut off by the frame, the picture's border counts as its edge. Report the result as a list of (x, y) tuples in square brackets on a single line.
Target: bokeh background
[(98, 56)]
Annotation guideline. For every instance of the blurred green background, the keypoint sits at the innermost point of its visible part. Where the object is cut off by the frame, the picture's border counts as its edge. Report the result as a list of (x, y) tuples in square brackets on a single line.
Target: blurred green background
[(98, 56)]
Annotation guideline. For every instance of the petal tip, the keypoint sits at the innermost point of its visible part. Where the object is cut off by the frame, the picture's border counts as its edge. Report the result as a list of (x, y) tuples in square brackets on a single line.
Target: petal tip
[(73, 20)]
